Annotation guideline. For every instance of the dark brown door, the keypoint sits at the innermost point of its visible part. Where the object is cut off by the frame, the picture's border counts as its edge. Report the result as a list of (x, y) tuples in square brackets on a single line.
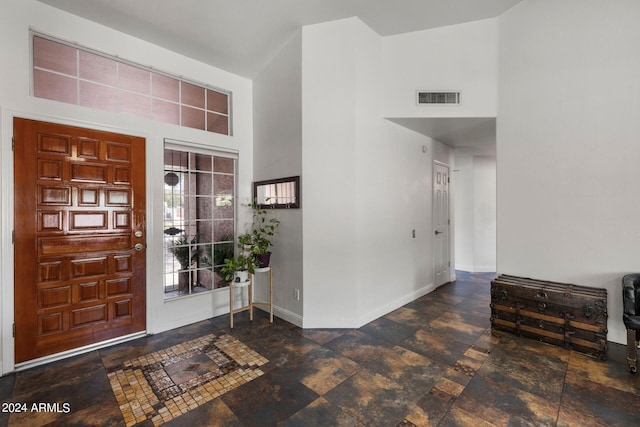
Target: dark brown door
[(79, 237)]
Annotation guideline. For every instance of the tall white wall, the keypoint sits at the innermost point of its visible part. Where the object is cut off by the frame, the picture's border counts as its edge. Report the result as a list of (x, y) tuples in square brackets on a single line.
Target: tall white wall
[(17, 17), (567, 144), (460, 57), (277, 106), (329, 185), (367, 184)]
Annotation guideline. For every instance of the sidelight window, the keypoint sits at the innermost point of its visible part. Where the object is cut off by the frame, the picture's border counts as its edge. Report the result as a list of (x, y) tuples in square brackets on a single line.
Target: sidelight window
[(199, 219)]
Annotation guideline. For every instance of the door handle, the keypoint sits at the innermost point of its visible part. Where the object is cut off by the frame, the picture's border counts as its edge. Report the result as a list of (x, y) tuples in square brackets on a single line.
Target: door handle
[(439, 232), (138, 246)]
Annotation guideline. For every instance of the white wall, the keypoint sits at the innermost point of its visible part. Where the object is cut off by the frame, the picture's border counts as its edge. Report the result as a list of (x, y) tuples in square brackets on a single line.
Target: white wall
[(475, 210), (17, 17), (568, 144), (277, 106), (462, 180), (328, 166), (367, 185), (484, 213), (460, 57)]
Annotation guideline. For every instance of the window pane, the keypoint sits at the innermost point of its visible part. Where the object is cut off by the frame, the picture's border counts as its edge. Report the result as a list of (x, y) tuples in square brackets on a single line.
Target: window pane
[(192, 118), (204, 207), (97, 68), (217, 123), (135, 105), (217, 102), (166, 112), (134, 79), (204, 186), (205, 231), (54, 56), (165, 87), (223, 164), (54, 86), (223, 208), (223, 231), (202, 162), (97, 96), (192, 95), (223, 184)]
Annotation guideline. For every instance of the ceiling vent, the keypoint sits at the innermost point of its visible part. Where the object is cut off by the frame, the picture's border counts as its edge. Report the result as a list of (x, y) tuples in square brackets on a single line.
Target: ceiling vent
[(438, 97)]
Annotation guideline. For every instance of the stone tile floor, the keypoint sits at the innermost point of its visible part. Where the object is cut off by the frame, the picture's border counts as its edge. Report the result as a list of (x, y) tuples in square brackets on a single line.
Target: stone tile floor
[(432, 362)]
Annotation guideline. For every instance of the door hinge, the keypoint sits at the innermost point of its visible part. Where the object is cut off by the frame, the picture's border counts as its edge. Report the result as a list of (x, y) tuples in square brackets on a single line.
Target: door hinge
[(449, 263), (13, 237), (14, 330), (448, 180), (13, 143)]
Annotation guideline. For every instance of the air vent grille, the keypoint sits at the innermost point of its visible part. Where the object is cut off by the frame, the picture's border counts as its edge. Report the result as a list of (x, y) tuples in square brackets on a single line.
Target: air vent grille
[(438, 97)]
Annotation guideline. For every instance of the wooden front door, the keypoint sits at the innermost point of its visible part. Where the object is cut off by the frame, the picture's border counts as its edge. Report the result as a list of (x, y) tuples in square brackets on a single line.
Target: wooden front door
[(79, 237)]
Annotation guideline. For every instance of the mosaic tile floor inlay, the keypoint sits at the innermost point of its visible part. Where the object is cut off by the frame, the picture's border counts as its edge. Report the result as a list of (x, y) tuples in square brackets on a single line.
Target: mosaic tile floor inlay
[(168, 383)]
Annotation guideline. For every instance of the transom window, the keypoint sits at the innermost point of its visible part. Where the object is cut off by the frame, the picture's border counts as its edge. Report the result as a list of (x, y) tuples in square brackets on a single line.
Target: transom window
[(199, 224), (75, 75)]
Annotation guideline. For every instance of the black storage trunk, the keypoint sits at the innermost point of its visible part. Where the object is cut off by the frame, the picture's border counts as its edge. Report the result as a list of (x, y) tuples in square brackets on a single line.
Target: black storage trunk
[(571, 316)]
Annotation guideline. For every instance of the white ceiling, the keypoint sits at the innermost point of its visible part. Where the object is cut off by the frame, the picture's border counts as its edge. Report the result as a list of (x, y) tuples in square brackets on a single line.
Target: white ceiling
[(241, 36), (477, 133)]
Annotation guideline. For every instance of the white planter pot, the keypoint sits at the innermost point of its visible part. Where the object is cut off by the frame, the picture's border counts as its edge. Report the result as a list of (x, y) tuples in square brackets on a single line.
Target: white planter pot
[(241, 276)]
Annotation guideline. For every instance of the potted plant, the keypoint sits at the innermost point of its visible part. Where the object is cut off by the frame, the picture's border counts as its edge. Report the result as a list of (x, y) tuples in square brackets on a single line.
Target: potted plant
[(260, 250), (186, 252), (245, 242), (263, 228), (237, 268)]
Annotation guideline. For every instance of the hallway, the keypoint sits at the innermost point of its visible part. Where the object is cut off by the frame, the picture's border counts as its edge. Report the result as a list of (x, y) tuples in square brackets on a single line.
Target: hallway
[(431, 362)]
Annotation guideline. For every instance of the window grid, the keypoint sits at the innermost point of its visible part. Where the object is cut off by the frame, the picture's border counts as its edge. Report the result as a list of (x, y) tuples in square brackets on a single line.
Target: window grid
[(52, 76), (199, 221)]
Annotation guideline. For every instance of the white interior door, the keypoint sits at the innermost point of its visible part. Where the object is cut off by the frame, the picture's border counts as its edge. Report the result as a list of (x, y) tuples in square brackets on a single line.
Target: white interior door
[(441, 261)]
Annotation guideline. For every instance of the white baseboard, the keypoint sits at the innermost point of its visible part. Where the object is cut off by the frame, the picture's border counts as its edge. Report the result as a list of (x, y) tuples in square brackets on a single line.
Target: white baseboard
[(287, 315), (393, 305), (349, 323), (476, 268), (485, 269)]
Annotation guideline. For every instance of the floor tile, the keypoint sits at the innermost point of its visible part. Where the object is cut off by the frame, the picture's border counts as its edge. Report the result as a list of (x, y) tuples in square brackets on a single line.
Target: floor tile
[(320, 413), (373, 399), (442, 348), (322, 369), (504, 405), (589, 403), (388, 330), (268, 400)]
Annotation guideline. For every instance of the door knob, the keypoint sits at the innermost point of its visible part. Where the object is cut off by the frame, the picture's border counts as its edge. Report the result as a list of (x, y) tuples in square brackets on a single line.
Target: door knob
[(138, 246)]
